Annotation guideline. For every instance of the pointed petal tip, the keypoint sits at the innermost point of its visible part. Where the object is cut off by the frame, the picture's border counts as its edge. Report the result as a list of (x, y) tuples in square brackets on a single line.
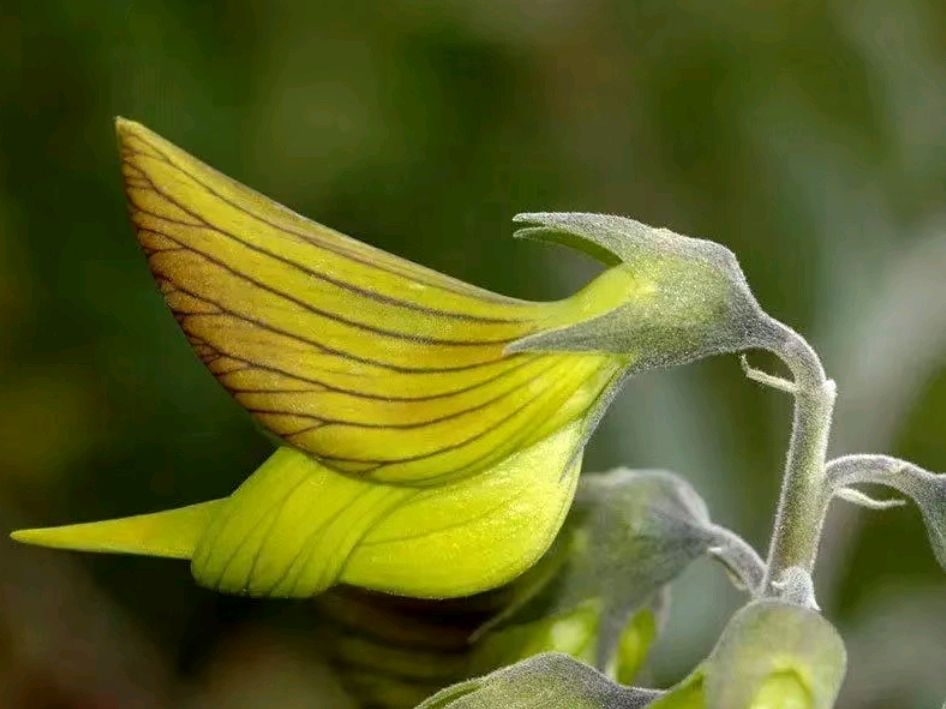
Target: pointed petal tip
[(128, 130), (124, 126), (170, 533), (23, 536), (51, 537)]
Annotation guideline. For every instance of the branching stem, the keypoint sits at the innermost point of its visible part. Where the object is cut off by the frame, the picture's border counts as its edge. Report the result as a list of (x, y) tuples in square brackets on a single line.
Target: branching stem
[(805, 493)]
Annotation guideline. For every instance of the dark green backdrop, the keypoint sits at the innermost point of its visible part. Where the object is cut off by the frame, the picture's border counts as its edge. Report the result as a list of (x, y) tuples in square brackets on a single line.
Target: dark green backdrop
[(809, 137)]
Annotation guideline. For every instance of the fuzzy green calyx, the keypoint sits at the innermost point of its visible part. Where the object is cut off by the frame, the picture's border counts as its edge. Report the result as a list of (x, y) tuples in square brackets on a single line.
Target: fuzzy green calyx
[(691, 299)]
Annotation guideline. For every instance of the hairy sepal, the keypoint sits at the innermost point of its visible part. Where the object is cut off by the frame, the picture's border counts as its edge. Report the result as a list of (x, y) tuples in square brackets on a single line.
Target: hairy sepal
[(692, 298)]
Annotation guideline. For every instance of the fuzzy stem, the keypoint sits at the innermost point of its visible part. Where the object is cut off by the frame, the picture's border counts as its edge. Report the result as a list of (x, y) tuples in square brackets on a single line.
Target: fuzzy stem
[(739, 557), (805, 496)]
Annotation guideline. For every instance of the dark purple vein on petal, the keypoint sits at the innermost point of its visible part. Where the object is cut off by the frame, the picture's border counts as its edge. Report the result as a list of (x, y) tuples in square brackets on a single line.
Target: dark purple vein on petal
[(322, 313), (419, 424), (460, 288)]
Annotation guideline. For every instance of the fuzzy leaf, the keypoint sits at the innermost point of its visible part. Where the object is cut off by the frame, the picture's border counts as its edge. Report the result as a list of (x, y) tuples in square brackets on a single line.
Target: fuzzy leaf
[(548, 681), (769, 649)]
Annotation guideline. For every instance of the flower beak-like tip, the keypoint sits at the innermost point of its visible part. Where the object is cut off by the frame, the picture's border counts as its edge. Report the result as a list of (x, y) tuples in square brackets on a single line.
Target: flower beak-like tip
[(689, 300)]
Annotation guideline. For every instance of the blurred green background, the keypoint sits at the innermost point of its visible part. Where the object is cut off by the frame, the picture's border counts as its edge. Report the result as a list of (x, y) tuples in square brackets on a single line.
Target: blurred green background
[(809, 137)]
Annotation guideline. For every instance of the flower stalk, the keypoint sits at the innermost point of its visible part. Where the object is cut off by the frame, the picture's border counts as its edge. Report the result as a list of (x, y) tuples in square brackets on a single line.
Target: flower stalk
[(805, 495)]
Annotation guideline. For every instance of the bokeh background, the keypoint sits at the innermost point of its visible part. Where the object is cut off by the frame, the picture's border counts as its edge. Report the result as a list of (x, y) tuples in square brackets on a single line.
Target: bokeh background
[(808, 136)]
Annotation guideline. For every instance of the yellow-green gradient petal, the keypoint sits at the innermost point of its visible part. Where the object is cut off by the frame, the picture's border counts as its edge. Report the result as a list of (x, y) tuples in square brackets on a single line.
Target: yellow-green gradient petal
[(374, 364), (296, 527), (172, 533), (477, 533)]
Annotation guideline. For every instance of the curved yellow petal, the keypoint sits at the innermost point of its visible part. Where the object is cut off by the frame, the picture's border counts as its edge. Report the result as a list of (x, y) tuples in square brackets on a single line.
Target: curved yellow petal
[(477, 533), (374, 364), (425, 458), (297, 527)]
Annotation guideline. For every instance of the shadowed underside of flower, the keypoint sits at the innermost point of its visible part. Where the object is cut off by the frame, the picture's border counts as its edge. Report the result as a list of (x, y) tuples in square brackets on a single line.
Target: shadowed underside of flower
[(422, 457)]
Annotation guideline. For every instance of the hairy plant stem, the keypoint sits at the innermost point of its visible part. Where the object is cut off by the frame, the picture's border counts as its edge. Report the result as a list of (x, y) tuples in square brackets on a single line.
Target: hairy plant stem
[(805, 494)]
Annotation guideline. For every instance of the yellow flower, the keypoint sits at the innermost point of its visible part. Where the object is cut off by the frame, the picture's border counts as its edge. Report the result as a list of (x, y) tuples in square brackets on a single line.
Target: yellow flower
[(433, 430), (421, 458)]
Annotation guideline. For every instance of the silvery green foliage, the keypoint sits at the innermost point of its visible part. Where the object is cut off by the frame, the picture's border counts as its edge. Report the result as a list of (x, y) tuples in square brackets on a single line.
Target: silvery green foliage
[(548, 681), (693, 302), (926, 489), (629, 534), (770, 652)]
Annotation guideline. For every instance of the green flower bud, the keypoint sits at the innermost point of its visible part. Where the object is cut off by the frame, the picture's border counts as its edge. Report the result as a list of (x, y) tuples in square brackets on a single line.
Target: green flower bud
[(549, 681), (772, 655)]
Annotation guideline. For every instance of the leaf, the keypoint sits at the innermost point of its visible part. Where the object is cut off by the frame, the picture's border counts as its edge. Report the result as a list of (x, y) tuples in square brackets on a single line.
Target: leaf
[(688, 694), (771, 655), (548, 681), (635, 641)]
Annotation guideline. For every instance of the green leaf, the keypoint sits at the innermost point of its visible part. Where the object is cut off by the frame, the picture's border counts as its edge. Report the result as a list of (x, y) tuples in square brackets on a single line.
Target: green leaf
[(633, 645), (547, 681), (688, 694)]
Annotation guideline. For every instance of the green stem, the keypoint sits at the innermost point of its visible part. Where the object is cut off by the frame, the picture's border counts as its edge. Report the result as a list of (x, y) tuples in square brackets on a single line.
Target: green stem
[(805, 495)]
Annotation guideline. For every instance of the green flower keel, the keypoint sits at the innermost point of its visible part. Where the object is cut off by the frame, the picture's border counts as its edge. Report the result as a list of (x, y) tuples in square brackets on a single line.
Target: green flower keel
[(296, 528)]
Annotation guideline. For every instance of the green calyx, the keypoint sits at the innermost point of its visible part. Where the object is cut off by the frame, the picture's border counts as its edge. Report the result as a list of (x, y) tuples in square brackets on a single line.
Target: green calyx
[(689, 297)]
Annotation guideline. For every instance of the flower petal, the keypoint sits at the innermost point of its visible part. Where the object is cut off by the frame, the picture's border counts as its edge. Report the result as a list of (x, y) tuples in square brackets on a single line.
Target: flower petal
[(374, 364)]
